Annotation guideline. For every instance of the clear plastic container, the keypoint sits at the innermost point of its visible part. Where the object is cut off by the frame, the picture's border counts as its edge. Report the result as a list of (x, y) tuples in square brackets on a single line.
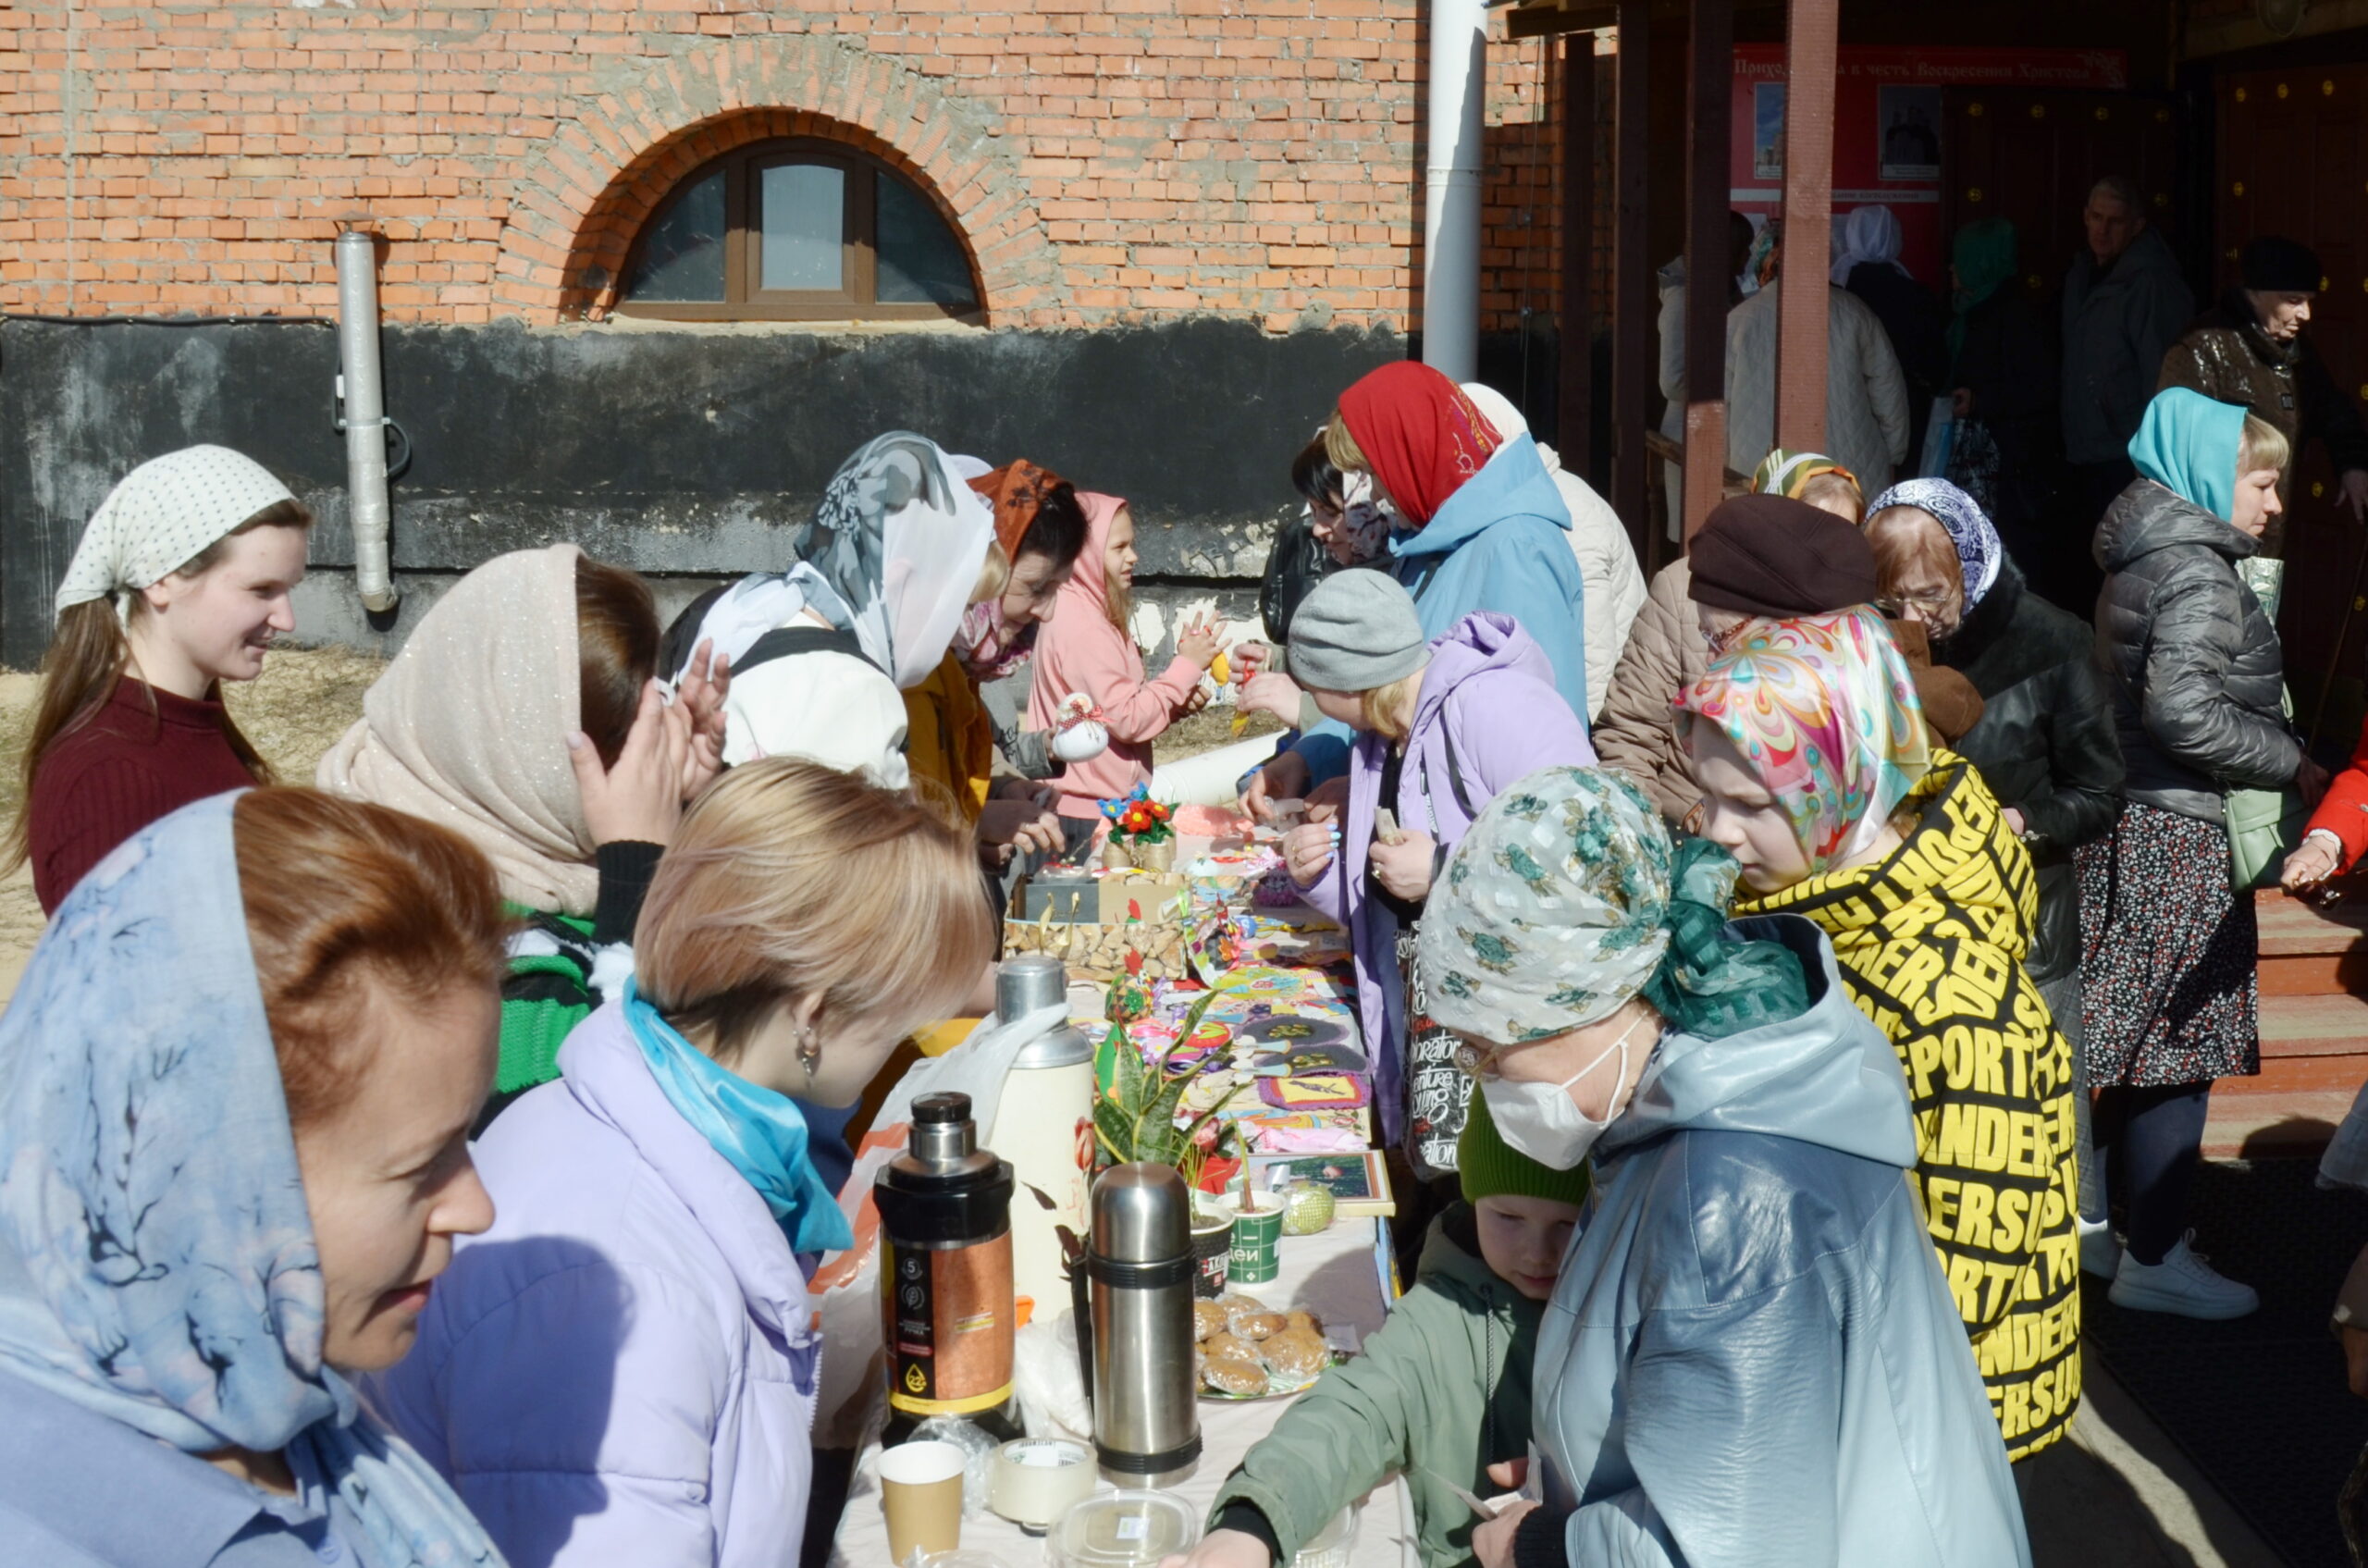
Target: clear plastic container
[(1334, 1545), (1122, 1529)]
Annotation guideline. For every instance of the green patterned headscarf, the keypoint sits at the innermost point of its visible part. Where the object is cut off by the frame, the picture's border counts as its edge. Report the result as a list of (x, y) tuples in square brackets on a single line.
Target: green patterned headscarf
[(1566, 899), (1984, 259)]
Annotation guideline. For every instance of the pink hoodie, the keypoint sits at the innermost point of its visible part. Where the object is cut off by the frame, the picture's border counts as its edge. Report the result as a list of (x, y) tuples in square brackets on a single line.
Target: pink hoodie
[(1079, 651)]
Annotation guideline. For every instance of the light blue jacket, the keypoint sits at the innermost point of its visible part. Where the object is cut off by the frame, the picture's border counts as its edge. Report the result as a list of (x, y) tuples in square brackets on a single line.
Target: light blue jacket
[(1500, 543), (1751, 1358)]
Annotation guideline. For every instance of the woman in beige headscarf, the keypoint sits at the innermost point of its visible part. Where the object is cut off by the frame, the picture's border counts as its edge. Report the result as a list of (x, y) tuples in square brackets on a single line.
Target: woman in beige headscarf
[(523, 714)]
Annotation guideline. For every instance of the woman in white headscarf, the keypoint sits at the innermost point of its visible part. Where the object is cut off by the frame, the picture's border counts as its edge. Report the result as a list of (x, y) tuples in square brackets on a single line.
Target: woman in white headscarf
[(820, 654), (1866, 262), (180, 583)]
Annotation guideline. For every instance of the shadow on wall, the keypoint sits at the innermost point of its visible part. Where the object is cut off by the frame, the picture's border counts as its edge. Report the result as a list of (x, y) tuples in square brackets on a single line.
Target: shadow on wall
[(670, 453)]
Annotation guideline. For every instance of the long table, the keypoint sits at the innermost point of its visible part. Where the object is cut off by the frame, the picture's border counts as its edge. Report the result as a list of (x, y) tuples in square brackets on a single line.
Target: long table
[(1337, 1275)]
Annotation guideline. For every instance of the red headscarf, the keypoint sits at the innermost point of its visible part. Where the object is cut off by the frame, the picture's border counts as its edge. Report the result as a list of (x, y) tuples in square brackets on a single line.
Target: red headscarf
[(1422, 437)]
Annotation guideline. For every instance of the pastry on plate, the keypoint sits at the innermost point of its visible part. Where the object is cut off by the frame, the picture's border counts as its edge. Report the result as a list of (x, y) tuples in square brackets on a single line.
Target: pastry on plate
[(1260, 1325), (1296, 1353), (1232, 1375)]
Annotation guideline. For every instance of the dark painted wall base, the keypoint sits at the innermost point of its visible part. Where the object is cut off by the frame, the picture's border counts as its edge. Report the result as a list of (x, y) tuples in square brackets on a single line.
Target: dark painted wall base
[(680, 453)]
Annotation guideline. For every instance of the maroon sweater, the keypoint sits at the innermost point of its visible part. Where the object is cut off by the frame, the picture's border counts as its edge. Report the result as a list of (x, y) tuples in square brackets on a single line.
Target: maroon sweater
[(116, 773)]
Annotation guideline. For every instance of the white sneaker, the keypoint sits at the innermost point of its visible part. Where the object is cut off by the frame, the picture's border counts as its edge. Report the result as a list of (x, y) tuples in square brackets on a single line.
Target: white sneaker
[(2182, 1284), (2100, 1248)]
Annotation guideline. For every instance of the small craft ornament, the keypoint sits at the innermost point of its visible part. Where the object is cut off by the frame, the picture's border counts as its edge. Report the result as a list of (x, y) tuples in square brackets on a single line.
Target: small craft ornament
[(1308, 1208), (1129, 1000)]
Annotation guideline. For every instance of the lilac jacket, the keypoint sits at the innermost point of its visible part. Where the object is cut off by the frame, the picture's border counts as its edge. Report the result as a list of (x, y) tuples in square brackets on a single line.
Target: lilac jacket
[(1489, 712), (622, 1369)]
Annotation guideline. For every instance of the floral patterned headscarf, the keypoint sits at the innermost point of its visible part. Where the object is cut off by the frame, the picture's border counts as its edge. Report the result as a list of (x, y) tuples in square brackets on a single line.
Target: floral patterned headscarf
[(1566, 899), (1825, 711), (1980, 549)]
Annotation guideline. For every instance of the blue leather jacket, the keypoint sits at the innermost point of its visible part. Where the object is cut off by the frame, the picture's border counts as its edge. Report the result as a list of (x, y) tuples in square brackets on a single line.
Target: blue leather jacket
[(1751, 1358)]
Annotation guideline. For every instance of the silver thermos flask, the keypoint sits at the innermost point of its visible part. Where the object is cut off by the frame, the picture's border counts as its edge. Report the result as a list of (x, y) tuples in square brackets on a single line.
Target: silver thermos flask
[(1146, 1419)]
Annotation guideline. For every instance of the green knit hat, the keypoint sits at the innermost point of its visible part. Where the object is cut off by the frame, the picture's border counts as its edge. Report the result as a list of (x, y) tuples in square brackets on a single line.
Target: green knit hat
[(1490, 1167)]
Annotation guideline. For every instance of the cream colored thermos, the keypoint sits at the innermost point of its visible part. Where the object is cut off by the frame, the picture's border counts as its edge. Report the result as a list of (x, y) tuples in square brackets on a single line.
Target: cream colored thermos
[(1045, 1127)]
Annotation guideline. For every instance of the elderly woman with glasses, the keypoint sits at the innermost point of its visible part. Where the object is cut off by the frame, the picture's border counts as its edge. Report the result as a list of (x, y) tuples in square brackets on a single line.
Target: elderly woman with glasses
[(1751, 1355)]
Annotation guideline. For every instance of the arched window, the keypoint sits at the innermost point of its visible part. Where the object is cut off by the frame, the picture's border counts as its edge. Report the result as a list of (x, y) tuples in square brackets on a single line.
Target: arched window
[(797, 231)]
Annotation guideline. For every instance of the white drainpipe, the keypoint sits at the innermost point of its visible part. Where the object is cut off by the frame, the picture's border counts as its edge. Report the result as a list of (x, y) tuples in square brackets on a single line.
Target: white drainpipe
[(1451, 189), (361, 398)]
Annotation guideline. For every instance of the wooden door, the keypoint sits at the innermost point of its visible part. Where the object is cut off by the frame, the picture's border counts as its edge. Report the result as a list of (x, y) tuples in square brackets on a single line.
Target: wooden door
[(2293, 160), (2031, 155)]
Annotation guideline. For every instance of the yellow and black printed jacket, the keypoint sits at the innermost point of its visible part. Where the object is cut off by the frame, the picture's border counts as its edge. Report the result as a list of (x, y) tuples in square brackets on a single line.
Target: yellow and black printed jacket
[(1930, 943)]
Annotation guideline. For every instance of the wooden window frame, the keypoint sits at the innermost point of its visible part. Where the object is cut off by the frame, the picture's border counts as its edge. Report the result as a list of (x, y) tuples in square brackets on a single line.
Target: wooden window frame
[(858, 275)]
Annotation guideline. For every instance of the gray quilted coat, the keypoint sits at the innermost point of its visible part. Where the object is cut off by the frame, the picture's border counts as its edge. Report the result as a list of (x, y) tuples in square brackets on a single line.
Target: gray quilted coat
[(2192, 663)]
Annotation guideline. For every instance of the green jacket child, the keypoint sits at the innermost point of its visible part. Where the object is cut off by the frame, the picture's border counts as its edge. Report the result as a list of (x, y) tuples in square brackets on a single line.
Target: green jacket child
[(1442, 1389)]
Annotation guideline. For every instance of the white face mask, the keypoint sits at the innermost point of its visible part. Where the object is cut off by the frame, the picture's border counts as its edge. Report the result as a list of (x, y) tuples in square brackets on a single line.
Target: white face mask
[(1542, 1121)]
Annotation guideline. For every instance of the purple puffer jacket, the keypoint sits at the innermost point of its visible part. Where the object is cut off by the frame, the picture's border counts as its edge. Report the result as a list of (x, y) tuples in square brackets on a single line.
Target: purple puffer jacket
[(1488, 702), (622, 1369)]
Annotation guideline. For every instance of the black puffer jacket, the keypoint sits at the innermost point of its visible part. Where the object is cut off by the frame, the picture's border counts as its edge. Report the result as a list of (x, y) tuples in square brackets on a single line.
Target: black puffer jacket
[(2045, 744), (2192, 665)]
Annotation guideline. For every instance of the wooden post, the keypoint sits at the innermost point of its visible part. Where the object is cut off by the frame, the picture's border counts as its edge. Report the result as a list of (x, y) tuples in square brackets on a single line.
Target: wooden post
[(1709, 80), (1632, 361), (1575, 331), (1801, 307)]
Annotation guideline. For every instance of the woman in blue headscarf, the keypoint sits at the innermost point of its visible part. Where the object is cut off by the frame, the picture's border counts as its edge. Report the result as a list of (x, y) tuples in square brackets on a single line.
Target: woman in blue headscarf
[(236, 1086), (2192, 665)]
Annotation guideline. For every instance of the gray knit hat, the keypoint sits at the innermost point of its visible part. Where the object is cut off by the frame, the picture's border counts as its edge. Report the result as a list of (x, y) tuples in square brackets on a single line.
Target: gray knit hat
[(1357, 631)]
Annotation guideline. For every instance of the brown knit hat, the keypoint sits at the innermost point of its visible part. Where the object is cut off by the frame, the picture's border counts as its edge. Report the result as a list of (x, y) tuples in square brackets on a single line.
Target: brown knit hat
[(1779, 558)]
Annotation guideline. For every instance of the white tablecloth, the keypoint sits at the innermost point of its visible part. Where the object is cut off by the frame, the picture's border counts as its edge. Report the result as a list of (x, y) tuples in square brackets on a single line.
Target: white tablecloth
[(1335, 1276)]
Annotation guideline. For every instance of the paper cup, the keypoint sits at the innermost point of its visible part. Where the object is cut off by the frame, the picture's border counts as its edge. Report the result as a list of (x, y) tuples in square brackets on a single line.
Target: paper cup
[(1211, 1251), (1257, 1237), (920, 1490)]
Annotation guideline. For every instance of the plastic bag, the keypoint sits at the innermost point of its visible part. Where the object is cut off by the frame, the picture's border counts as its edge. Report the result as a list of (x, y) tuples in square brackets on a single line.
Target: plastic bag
[(847, 1288), (1050, 1380)]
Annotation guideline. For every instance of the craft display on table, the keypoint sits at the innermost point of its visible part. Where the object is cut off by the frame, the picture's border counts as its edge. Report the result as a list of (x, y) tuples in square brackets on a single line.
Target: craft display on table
[(1307, 1061), (1313, 1091), (1358, 1182), (1140, 831)]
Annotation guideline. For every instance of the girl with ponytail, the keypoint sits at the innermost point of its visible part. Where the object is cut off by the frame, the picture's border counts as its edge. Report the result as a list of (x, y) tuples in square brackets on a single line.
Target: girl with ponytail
[(180, 583)]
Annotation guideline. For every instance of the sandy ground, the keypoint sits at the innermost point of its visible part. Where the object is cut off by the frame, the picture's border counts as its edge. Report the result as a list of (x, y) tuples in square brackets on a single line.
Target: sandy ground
[(305, 698)]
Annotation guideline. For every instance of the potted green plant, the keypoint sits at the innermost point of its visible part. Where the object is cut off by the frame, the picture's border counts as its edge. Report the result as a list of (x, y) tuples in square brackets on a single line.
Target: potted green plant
[(1136, 1116)]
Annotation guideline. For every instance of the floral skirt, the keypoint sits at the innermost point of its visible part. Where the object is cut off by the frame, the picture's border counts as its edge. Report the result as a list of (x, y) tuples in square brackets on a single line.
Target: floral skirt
[(2169, 970)]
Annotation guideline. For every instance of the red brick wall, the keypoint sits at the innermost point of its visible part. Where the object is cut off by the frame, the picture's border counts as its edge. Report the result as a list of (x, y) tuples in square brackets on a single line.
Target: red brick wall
[(1107, 160)]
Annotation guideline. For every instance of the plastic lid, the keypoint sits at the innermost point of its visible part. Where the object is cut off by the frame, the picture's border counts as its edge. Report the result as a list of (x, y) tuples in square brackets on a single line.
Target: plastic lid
[(936, 1109), (1122, 1529)]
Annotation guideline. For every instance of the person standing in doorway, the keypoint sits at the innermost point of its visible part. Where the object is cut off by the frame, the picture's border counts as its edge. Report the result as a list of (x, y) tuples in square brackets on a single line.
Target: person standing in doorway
[(2248, 350), (2125, 304)]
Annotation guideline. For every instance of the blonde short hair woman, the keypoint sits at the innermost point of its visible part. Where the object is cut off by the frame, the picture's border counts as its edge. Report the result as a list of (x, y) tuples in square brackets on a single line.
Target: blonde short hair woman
[(622, 1369)]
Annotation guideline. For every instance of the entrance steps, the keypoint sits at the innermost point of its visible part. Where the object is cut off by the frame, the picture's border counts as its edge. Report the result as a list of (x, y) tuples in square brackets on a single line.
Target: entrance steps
[(2313, 1031)]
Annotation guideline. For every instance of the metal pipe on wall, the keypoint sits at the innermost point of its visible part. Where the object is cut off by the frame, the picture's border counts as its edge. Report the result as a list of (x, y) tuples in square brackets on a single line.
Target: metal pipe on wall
[(362, 416), (1459, 83)]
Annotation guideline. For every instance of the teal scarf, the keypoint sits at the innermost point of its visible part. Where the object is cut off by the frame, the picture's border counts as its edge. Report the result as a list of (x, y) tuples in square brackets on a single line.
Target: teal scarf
[(759, 1133), (2188, 444), (1984, 259)]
